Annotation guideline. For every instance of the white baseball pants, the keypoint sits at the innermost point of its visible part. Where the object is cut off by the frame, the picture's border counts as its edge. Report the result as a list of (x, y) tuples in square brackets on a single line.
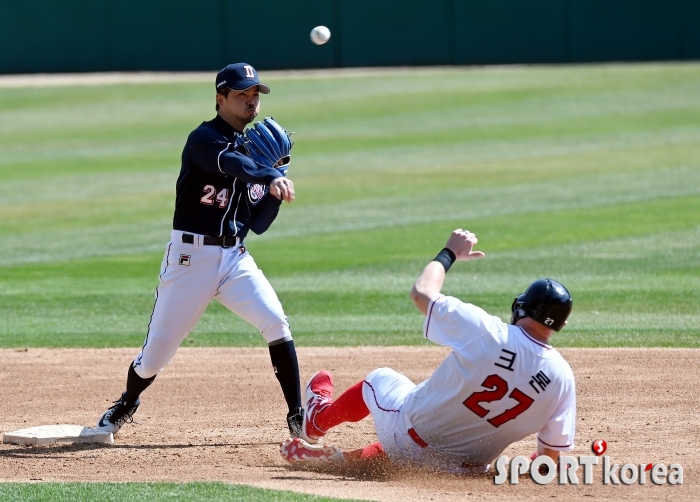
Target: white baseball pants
[(384, 392), (191, 276)]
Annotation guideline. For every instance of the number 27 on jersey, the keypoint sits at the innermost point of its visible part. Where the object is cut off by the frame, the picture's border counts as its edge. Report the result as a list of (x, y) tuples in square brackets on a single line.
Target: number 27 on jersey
[(498, 388)]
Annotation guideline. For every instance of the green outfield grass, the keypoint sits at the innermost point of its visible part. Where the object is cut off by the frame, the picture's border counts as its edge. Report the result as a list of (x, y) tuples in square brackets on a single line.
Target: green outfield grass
[(148, 492), (588, 174)]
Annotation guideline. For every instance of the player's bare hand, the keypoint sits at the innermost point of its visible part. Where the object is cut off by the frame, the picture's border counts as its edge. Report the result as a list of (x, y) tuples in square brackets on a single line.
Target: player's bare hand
[(461, 243), (282, 188)]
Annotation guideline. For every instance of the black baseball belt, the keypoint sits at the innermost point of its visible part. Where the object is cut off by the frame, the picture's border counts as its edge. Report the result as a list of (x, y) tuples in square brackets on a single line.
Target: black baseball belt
[(225, 241)]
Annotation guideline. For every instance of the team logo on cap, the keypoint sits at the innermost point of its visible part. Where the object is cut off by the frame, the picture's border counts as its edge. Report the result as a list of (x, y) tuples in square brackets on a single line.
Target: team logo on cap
[(249, 71), (256, 192)]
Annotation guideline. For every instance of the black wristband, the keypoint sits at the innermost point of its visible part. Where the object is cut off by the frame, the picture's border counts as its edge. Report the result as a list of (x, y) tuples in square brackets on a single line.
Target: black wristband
[(445, 258)]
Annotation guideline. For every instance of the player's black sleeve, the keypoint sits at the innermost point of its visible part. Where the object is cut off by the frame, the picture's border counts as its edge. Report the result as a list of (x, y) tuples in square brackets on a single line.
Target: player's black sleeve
[(264, 213), (211, 154)]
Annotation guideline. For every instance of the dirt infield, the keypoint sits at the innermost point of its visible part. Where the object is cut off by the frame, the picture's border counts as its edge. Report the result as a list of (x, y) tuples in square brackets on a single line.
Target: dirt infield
[(218, 414)]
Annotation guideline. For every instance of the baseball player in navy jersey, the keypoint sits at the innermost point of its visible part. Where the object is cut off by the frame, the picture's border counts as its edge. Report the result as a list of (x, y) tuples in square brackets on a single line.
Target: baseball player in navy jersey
[(223, 192), (499, 384)]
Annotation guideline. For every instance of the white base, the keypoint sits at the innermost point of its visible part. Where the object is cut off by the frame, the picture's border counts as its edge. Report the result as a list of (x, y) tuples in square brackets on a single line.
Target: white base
[(64, 433)]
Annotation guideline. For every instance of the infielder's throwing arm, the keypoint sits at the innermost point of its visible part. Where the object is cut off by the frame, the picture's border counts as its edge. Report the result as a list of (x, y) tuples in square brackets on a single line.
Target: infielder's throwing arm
[(501, 383)]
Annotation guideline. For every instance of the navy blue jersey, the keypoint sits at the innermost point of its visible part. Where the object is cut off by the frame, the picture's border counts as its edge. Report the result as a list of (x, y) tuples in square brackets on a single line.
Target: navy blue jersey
[(221, 191)]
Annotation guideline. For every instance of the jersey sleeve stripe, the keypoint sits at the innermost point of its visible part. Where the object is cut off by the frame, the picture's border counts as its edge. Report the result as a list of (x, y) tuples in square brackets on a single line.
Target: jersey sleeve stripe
[(223, 218), (430, 313), (554, 445), (218, 157), (234, 214)]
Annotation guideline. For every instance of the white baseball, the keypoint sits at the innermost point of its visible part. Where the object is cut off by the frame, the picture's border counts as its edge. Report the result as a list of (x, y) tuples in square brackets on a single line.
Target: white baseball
[(320, 35)]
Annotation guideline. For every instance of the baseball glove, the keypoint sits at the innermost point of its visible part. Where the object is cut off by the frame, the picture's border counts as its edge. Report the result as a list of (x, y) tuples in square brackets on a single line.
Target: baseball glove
[(268, 144)]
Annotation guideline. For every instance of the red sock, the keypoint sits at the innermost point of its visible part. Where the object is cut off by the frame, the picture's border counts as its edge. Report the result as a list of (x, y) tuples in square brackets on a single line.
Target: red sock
[(371, 452), (349, 407)]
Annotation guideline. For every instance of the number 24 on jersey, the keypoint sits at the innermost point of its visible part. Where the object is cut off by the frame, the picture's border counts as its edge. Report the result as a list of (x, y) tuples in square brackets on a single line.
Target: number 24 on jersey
[(210, 194)]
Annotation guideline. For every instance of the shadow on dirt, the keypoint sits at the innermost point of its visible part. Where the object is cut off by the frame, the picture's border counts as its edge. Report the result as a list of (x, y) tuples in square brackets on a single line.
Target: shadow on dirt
[(56, 450), (380, 470)]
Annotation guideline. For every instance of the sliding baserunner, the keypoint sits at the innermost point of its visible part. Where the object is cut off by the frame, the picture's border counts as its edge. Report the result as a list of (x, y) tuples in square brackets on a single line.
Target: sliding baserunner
[(501, 383)]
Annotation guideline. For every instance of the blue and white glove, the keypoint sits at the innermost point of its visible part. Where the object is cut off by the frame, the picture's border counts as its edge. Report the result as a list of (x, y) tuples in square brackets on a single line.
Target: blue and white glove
[(268, 144)]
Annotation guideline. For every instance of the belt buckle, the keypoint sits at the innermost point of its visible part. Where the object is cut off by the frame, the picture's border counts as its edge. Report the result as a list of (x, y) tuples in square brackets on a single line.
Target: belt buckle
[(225, 241)]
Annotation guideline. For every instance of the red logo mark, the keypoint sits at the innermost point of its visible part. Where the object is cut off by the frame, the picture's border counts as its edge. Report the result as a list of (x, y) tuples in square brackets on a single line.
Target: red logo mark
[(648, 467), (599, 447)]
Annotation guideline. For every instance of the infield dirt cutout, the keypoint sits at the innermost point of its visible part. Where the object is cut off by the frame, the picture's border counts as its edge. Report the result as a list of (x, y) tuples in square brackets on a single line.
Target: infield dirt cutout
[(217, 414)]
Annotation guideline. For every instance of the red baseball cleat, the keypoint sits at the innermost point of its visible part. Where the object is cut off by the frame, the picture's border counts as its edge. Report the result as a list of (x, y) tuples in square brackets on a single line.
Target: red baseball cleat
[(298, 451), (318, 396)]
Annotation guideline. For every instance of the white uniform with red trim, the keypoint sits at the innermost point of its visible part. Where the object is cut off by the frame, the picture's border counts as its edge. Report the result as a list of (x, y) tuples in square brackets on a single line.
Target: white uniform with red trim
[(497, 386)]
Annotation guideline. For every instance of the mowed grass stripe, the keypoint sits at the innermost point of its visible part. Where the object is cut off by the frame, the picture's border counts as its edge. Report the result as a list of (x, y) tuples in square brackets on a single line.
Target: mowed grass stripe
[(462, 202), (383, 246), (635, 279), (148, 492), (503, 232), (463, 102), (93, 225), (590, 174)]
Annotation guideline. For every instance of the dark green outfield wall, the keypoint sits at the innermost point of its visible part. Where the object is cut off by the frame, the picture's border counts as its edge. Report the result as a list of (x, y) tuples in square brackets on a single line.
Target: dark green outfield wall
[(110, 35)]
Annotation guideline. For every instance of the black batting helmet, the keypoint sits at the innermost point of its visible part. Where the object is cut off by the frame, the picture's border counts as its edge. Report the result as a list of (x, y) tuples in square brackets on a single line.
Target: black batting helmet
[(546, 301)]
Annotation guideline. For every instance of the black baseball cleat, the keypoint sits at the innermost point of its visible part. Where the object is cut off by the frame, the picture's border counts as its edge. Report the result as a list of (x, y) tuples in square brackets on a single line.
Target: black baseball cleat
[(295, 420), (120, 413)]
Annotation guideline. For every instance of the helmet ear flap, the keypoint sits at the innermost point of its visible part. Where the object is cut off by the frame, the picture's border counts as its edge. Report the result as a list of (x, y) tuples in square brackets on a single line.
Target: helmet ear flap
[(517, 312)]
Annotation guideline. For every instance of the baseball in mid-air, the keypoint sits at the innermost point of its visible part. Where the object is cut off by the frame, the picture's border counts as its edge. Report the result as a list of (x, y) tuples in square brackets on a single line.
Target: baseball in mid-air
[(320, 35)]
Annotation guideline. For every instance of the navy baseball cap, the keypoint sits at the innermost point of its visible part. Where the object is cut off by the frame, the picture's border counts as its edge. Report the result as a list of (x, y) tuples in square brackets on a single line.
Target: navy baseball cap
[(239, 77)]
